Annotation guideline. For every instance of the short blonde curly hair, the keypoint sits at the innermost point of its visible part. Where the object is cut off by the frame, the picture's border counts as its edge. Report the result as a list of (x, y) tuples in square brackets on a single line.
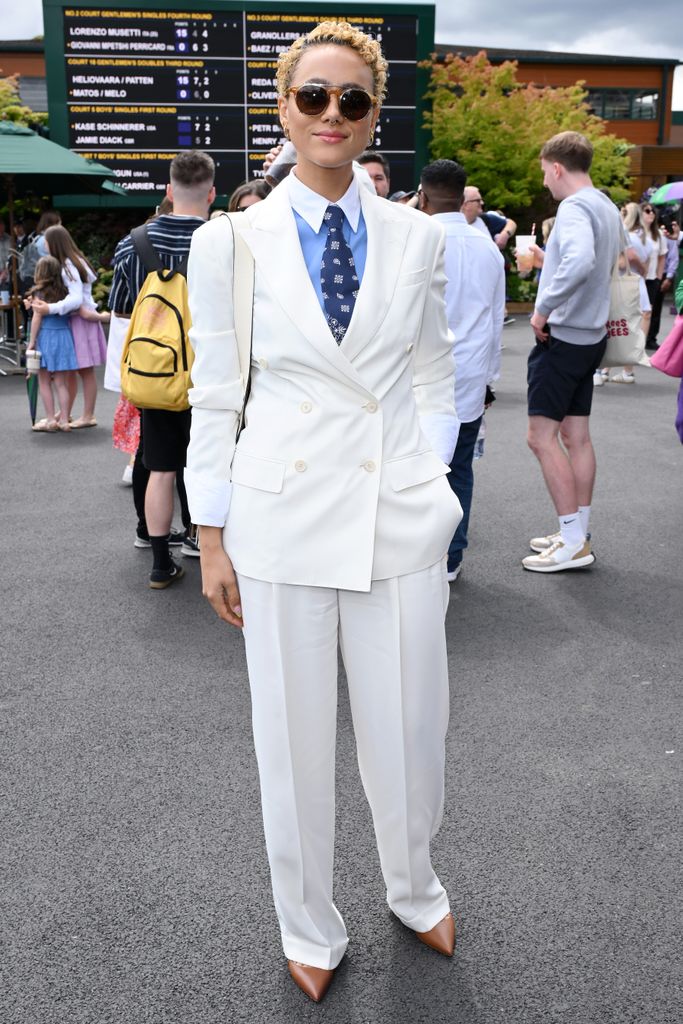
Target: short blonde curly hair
[(340, 33)]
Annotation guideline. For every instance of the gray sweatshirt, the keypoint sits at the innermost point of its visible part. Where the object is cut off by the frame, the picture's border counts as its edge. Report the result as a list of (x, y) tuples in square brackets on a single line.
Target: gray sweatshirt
[(579, 259)]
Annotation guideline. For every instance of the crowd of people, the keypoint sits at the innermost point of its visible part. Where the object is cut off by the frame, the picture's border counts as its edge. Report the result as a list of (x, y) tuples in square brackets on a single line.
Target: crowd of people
[(475, 299), (329, 470), (66, 326)]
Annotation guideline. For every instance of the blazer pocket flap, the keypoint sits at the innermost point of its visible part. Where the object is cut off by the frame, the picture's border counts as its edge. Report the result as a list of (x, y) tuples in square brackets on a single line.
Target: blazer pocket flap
[(414, 469), (411, 277), (252, 471)]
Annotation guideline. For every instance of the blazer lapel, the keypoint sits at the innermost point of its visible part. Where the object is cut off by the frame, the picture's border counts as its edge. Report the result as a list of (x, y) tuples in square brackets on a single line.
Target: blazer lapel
[(274, 242), (387, 237)]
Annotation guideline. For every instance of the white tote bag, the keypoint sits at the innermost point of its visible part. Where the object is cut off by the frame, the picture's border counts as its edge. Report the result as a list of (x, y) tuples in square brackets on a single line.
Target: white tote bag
[(118, 328), (625, 339)]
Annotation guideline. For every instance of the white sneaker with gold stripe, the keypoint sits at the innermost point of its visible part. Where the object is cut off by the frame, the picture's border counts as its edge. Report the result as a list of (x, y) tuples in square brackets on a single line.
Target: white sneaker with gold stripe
[(560, 556)]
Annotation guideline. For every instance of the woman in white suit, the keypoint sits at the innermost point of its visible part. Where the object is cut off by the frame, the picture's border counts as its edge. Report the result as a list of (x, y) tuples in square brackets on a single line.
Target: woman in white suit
[(327, 523)]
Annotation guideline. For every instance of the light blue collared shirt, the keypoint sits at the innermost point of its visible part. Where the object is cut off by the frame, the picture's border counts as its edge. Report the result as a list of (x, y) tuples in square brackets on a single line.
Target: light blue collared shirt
[(309, 209)]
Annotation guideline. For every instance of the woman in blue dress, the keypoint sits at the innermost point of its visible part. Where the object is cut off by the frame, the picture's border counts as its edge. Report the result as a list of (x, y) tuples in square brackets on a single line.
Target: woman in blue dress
[(51, 336)]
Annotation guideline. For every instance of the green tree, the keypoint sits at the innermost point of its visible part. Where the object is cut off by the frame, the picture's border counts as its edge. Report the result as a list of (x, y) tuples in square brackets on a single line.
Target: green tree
[(495, 126), (11, 107)]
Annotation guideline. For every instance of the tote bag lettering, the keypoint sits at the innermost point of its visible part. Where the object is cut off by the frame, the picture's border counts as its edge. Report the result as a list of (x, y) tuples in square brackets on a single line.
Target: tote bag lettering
[(625, 339)]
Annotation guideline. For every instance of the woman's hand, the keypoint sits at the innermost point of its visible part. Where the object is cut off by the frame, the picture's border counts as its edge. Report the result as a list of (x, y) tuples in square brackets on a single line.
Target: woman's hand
[(40, 307), (219, 583), (270, 157)]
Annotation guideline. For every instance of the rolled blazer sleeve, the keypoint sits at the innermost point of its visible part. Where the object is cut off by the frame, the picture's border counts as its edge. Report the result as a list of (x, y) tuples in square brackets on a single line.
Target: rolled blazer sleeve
[(434, 375), (216, 395)]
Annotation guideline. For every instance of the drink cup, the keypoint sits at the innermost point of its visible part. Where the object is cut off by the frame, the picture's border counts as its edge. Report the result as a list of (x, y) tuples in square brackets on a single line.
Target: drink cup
[(4, 297), (281, 165), (523, 253)]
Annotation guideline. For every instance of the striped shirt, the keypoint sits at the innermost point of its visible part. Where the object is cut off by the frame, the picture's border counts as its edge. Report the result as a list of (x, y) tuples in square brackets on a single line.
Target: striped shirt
[(170, 236)]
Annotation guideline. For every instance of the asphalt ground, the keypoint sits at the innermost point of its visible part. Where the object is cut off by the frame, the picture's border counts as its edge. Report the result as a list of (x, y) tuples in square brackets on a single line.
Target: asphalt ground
[(135, 885)]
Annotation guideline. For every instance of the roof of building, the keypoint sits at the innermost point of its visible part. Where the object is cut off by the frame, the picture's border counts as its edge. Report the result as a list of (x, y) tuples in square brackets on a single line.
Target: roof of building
[(22, 45), (495, 54)]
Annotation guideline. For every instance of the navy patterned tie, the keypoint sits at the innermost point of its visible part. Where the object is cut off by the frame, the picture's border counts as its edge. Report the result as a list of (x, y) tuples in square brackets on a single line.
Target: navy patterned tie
[(338, 276)]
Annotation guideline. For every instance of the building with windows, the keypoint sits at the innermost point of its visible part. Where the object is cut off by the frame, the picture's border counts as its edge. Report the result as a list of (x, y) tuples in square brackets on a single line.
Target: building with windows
[(632, 94), (26, 59)]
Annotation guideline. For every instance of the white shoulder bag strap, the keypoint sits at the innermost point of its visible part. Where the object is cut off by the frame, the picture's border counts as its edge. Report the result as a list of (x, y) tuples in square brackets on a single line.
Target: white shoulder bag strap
[(243, 304)]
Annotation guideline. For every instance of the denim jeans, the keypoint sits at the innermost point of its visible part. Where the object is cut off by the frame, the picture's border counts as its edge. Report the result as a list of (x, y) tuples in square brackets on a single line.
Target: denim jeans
[(461, 479)]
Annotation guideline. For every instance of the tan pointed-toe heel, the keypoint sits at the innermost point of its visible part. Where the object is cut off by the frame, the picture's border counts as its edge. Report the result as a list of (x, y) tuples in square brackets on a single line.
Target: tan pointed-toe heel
[(314, 981), (441, 937)]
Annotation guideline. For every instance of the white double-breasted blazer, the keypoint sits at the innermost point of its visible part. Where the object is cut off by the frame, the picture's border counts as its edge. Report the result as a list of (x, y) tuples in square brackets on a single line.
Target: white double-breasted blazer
[(335, 480)]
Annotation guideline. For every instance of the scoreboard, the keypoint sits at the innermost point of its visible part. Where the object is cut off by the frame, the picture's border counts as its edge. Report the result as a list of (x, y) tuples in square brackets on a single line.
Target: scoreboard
[(131, 86)]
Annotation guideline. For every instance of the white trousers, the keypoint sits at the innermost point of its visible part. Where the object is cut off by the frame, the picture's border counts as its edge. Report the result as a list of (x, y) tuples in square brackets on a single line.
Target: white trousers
[(394, 650)]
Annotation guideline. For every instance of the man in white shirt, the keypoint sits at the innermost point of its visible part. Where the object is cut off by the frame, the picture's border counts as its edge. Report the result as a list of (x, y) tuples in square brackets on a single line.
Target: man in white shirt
[(501, 229), (475, 301)]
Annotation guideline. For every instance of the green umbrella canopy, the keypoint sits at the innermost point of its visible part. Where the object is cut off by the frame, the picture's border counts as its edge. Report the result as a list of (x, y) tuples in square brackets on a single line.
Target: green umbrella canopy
[(37, 165), (31, 164)]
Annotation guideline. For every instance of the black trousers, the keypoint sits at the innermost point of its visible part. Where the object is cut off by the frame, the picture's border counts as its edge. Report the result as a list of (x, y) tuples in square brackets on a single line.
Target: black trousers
[(654, 291)]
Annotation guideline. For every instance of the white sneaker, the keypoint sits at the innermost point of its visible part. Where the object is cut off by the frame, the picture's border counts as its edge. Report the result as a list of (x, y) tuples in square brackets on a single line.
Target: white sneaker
[(559, 557), (543, 543), (127, 477), (623, 378), (452, 576), (598, 379)]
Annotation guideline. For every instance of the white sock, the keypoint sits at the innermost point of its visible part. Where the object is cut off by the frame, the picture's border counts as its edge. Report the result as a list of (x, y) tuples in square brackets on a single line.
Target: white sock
[(572, 530), (585, 514)]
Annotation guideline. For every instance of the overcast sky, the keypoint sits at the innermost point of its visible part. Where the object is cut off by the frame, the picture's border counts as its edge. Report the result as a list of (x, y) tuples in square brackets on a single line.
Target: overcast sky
[(630, 28)]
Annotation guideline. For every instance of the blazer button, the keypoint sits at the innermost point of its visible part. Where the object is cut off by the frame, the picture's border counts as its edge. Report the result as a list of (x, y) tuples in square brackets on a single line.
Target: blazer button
[(300, 466), (410, 347), (306, 407), (369, 466), (371, 406), (263, 363)]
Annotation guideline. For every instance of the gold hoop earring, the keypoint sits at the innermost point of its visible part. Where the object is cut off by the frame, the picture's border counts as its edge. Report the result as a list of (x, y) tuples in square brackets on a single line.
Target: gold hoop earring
[(285, 132), (372, 137)]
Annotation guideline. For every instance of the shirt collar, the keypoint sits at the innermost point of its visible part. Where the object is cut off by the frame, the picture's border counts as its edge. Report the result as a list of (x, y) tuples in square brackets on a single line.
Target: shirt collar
[(451, 217), (312, 206)]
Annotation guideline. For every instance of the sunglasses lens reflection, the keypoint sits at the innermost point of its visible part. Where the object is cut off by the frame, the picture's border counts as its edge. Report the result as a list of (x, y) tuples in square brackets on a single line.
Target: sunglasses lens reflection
[(355, 104), (312, 99)]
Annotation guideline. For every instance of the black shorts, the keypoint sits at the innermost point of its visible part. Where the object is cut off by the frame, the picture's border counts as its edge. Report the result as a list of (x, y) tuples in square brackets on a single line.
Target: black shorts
[(165, 437), (560, 378)]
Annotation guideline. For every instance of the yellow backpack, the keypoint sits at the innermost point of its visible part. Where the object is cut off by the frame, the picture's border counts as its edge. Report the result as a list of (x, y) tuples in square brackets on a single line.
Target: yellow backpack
[(157, 355)]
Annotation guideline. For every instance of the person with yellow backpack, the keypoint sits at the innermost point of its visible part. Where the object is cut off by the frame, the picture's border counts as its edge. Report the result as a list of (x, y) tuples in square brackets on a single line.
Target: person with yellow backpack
[(149, 288)]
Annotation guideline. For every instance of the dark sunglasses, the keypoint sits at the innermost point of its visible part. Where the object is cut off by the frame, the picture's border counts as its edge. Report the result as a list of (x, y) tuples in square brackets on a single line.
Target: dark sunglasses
[(312, 99), (648, 209)]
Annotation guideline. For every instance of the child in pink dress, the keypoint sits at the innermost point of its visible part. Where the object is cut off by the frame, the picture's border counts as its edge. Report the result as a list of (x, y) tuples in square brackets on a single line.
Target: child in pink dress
[(86, 323)]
